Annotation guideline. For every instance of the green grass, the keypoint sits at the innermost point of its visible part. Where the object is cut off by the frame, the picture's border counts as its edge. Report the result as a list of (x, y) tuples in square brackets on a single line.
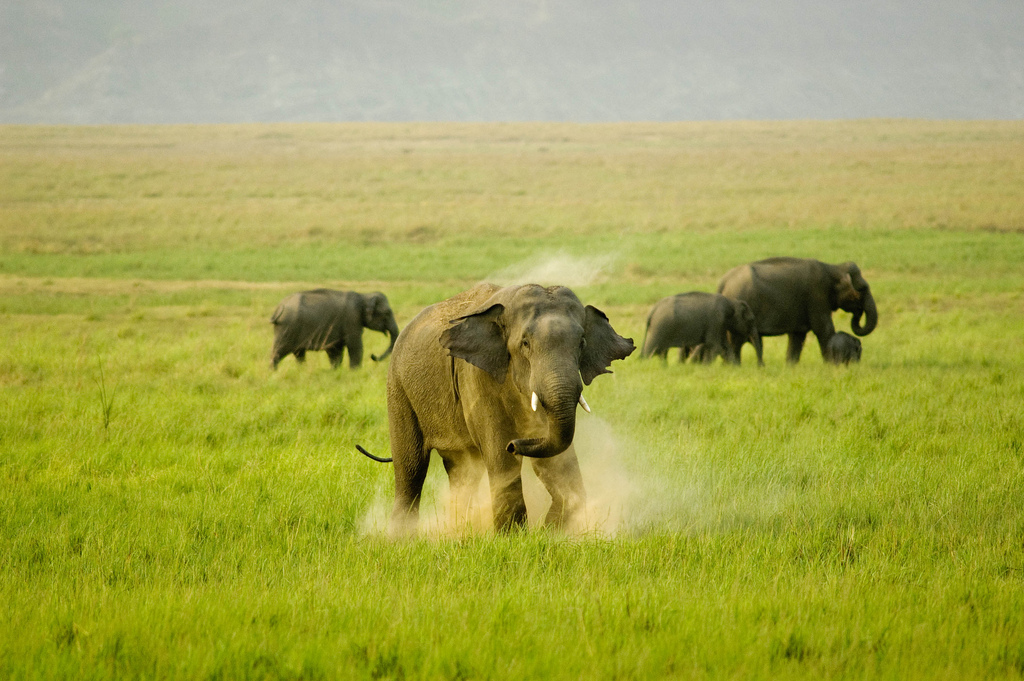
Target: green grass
[(169, 507)]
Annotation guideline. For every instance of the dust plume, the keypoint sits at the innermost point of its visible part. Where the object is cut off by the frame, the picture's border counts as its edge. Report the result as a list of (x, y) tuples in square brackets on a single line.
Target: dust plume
[(609, 486), (558, 269), (631, 491), (605, 478)]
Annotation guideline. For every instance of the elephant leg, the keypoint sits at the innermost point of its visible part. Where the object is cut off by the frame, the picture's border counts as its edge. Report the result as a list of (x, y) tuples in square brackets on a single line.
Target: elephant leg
[(709, 352), (826, 354), (411, 459), (795, 347), (733, 348), (355, 353), (684, 354), (464, 473), (282, 346), (703, 354), (729, 354), (504, 473), (334, 354), (561, 477)]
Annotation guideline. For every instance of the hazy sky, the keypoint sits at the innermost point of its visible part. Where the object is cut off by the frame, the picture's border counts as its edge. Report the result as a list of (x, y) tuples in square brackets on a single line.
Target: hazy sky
[(113, 61)]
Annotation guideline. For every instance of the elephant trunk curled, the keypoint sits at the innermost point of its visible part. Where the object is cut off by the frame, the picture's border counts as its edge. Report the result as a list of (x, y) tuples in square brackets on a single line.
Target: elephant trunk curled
[(559, 402), (392, 331), (870, 316)]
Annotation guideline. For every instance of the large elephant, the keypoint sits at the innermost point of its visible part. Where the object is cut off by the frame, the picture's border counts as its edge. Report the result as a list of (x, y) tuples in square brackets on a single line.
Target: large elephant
[(796, 295), (331, 321), (488, 377), (688, 320)]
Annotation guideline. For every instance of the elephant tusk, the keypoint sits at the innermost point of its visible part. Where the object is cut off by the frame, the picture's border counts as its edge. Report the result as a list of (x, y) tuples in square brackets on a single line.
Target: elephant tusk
[(534, 401), (583, 403)]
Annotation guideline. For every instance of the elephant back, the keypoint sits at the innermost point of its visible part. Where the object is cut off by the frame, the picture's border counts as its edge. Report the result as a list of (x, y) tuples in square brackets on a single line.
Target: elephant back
[(287, 311)]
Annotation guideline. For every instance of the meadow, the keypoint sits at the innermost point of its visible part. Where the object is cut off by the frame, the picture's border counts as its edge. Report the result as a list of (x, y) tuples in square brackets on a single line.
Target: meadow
[(172, 508)]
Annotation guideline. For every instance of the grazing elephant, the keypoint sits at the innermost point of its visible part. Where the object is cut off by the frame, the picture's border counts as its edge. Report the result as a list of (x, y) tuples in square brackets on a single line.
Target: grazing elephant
[(688, 320), (332, 321), (843, 348), (486, 378), (796, 295)]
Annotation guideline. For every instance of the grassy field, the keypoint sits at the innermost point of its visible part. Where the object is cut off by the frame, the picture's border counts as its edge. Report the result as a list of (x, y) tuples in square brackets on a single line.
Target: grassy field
[(171, 508)]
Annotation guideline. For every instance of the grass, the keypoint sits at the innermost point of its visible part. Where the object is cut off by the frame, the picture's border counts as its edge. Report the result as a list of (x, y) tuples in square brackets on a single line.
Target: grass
[(190, 514)]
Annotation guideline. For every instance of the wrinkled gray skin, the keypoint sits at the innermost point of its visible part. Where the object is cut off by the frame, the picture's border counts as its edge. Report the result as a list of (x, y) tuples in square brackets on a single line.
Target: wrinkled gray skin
[(794, 296), (843, 349), (331, 321), (689, 320), (461, 382)]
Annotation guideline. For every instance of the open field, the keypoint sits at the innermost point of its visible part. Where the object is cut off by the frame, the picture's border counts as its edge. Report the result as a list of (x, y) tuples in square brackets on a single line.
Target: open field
[(172, 508)]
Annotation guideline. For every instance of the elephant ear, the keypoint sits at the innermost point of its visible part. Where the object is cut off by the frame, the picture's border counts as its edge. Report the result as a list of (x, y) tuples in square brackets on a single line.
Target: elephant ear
[(602, 347), (730, 308), (844, 290), (371, 307), (744, 312), (479, 339)]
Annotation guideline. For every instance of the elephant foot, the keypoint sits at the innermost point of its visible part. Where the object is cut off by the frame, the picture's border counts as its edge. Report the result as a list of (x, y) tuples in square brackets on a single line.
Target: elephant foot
[(510, 517), (403, 525), (567, 516)]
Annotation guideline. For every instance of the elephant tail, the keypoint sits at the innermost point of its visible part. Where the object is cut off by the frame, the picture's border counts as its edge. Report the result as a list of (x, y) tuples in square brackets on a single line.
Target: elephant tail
[(375, 458)]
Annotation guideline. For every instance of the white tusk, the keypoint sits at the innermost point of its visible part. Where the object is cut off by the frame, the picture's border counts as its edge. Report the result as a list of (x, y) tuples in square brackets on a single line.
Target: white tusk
[(583, 403), (534, 401)]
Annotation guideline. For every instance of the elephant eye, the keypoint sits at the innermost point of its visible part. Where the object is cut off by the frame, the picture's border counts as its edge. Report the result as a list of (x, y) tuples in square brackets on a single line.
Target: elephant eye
[(526, 343)]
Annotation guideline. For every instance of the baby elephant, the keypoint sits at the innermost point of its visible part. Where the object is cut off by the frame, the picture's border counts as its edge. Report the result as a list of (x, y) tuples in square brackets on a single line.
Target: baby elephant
[(331, 321), (843, 348), (687, 320)]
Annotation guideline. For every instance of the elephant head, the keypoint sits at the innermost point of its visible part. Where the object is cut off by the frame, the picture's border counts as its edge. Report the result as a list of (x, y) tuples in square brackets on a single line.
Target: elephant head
[(540, 346), (744, 324), (851, 293), (377, 315)]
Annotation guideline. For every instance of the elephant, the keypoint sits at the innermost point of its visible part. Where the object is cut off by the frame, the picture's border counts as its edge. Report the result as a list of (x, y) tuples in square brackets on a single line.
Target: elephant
[(796, 295), (843, 348), (329, 320), (699, 319), (486, 378)]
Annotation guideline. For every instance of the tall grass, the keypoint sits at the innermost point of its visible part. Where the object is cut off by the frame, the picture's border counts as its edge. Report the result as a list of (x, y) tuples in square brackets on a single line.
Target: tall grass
[(214, 520)]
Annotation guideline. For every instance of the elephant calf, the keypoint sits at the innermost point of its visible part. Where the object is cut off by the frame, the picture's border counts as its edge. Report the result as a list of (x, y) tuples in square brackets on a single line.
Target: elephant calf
[(331, 321), (689, 320), (843, 348)]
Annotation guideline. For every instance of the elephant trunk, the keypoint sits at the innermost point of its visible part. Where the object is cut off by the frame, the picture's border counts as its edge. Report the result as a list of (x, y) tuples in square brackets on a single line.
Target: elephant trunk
[(870, 316), (755, 340), (560, 405), (392, 331)]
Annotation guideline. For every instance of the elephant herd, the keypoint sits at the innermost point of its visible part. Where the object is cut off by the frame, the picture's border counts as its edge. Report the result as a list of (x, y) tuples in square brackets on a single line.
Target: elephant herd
[(773, 297), (495, 374)]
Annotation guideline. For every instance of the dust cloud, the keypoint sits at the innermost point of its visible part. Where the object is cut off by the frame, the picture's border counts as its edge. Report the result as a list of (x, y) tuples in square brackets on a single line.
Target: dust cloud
[(610, 490), (631, 491), (559, 269)]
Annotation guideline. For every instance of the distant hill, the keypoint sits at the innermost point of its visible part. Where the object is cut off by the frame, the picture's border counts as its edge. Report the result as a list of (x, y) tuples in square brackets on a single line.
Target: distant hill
[(119, 61)]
